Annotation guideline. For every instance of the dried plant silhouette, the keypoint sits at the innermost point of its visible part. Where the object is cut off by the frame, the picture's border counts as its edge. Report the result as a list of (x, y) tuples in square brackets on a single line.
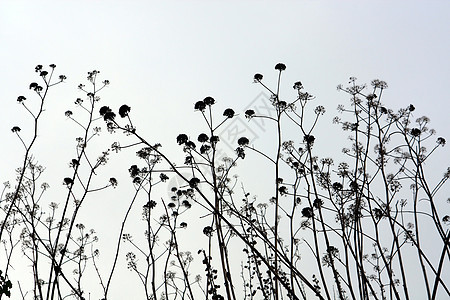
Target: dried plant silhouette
[(370, 226)]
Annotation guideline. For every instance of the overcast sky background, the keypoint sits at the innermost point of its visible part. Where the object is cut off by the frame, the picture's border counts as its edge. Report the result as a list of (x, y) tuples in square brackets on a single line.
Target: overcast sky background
[(163, 56)]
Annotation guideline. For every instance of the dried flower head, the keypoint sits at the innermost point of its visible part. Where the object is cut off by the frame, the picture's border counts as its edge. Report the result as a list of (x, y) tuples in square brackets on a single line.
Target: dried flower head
[(280, 67), (298, 85), (124, 110), (200, 105), (243, 141), (202, 138), (209, 101), (257, 77), (249, 113), (440, 141), (229, 113), (182, 139)]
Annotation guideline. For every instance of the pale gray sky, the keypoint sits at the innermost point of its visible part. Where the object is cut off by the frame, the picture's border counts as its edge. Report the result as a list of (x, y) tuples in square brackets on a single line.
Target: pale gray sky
[(163, 56), (176, 52)]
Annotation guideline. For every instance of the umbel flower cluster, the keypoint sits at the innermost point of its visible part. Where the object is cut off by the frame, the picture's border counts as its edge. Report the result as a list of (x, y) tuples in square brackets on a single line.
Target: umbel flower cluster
[(371, 226)]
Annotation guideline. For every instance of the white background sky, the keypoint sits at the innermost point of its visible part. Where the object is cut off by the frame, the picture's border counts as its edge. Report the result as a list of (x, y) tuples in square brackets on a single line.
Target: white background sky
[(163, 56)]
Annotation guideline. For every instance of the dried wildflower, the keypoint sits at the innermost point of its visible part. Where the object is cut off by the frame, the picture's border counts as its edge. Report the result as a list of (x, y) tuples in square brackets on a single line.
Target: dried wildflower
[(113, 181), (68, 181), (182, 139), (208, 231), (415, 132), (370, 97), (377, 213), (379, 84), (257, 77), (243, 141), (440, 141), (280, 67), (107, 113), (73, 163), (124, 110), (317, 203), (150, 204), (319, 110), (205, 148), (186, 204), (249, 113), (282, 190), (163, 177), (298, 85), (134, 171), (202, 138), (209, 101), (337, 186), (309, 139), (307, 212), (200, 105), (214, 139), (190, 145), (229, 113), (446, 219), (240, 152), (194, 182)]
